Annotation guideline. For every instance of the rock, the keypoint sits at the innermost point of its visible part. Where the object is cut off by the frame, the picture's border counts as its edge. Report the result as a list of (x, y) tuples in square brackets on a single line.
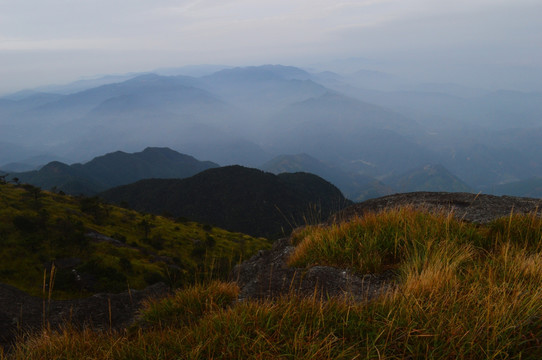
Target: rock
[(478, 208), (266, 275), (96, 236)]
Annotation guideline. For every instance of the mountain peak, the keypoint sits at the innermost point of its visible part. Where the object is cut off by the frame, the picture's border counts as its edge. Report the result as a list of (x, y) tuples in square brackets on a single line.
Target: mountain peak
[(262, 73), (55, 166), (235, 197), (117, 168)]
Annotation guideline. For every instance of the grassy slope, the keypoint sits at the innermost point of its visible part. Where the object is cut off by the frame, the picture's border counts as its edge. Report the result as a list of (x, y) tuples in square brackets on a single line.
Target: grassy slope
[(465, 291), (38, 227)]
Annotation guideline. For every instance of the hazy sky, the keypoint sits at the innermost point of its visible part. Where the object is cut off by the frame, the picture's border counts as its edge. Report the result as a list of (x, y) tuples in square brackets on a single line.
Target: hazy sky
[(55, 41)]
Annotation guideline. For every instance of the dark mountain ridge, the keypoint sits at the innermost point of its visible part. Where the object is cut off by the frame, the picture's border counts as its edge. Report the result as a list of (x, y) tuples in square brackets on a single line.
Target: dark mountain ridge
[(236, 198), (114, 169)]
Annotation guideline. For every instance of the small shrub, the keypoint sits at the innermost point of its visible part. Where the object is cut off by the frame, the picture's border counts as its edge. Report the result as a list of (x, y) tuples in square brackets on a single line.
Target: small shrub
[(210, 241), (94, 207), (106, 278), (199, 250), (27, 223), (125, 264)]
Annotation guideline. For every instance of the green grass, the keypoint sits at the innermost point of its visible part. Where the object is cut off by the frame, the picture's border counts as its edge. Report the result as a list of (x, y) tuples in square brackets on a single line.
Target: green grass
[(186, 306), (38, 228), (464, 292), (374, 242)]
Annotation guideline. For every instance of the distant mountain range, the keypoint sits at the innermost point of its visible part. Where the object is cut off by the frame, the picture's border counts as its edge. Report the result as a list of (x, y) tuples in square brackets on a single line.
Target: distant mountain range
[(114, 169), (339, 129), (120, 168), (367, 123), (236, 198), (525, 188), (427, 178)]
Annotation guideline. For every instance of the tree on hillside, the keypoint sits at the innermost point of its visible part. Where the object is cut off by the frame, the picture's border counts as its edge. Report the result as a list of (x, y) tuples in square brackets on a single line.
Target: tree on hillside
[(146, 225), (34, 192)]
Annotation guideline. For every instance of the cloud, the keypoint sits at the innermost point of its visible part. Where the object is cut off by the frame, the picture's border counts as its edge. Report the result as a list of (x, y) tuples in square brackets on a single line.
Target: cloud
[(199, 24)]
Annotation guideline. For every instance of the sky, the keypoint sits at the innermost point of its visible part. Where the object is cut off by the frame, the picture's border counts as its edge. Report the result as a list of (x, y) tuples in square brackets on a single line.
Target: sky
[(493, 43)]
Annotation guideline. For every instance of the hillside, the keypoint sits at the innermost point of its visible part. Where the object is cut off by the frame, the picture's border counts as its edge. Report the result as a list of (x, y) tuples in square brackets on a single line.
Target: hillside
[(114, 169), (236, 198), (420, 284), (97, 247)]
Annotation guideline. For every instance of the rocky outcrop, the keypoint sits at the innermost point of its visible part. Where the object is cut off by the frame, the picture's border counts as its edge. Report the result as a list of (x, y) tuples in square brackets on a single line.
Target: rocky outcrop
[(21, 313), (478, 208), (267, 275)]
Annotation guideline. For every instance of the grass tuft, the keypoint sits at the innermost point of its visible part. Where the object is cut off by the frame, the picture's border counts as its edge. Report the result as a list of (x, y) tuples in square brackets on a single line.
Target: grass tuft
[(188, 305), (376, 242)]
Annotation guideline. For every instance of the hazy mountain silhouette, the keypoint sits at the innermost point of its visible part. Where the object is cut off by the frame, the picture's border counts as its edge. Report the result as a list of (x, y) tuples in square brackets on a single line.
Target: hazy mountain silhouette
[(341, 130), (263, 89), (259, 73), (229, 151), (526, 188), (427, 178), (144, 110), (480, 165), (10, 152), (354, 186), (344, 113)]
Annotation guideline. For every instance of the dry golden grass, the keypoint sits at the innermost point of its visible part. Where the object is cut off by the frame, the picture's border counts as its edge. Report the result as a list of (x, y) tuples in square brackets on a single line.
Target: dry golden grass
[(465, 292)]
